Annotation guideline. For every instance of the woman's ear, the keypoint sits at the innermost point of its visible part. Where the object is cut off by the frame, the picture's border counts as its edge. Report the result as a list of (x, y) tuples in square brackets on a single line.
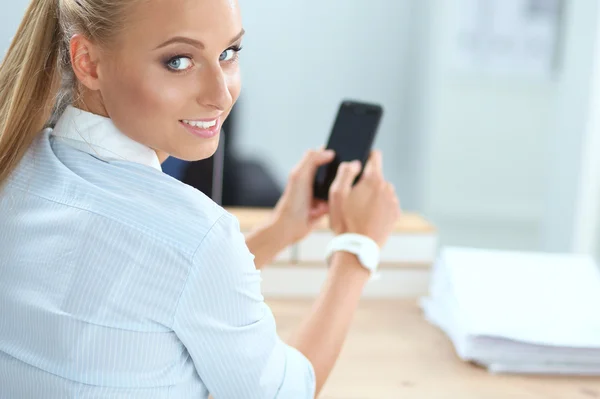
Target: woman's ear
[(84, 59)]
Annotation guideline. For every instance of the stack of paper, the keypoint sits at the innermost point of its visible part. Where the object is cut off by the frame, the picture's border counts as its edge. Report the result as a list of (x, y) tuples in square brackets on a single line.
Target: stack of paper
[(518, 312)]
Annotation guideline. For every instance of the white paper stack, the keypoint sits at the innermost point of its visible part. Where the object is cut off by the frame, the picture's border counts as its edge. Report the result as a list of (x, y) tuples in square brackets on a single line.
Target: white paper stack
[(514, 312)]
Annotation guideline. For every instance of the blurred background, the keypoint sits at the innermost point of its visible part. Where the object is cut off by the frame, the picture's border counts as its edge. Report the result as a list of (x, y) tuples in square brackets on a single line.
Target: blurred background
[(490, 127)]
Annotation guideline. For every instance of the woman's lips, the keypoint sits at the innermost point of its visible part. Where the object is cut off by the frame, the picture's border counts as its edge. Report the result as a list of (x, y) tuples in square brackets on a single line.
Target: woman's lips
[(206, 129)]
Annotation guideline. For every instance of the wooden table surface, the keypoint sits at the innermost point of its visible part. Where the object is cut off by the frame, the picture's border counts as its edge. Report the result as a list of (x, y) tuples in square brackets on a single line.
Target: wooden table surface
[(392, 352), (251, 218)]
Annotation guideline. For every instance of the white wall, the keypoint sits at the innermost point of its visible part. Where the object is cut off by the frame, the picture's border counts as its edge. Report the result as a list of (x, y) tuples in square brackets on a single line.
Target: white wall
[(486, 165), (473, 153), (586, 224), (574, 104), (302, 57), (494, 162), (10, 17), (513, 163)]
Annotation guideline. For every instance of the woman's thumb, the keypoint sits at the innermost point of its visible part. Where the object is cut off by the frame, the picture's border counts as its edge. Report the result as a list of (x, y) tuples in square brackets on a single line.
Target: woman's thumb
[(323, 157)]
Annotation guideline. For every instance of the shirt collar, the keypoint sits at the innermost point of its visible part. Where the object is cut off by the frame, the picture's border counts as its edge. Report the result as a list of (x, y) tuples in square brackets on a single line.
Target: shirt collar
[(98, 136)]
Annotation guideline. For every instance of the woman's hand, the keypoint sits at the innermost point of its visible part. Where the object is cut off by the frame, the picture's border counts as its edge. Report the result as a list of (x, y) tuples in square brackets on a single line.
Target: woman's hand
[(297, 212), (370, 208)]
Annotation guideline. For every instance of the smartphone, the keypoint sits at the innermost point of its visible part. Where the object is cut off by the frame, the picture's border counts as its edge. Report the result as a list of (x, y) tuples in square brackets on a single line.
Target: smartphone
[(351, 138)]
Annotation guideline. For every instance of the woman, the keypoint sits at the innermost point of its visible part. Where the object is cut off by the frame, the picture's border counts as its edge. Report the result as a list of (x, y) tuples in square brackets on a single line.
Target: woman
[(117, 281)]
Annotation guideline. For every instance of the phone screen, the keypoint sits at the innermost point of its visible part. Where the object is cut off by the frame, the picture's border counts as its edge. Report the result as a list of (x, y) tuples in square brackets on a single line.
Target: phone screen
[(351, 138)]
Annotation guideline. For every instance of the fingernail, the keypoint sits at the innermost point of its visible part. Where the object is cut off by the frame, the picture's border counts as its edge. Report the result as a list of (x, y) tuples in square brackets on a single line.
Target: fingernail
[(356, 164), (328, 153)]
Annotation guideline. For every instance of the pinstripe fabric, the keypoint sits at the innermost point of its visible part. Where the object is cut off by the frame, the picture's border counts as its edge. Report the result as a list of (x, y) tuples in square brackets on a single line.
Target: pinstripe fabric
[(118, 281)]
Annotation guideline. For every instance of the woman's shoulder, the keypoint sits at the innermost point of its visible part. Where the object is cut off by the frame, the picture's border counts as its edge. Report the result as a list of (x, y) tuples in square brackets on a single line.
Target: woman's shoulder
[(124, 194), (168, 210)]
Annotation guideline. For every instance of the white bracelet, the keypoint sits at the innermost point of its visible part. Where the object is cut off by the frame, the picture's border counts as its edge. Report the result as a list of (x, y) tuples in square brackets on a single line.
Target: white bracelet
[(365, 248)]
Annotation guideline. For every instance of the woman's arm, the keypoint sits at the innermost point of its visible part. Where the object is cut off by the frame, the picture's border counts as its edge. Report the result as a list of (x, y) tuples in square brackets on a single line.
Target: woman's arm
[(266, 242), (371, 209), (296, 214), (322, 335), (227, 328)]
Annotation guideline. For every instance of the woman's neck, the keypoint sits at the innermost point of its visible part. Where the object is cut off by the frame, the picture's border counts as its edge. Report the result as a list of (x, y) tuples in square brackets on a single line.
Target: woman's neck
[(93, 103)]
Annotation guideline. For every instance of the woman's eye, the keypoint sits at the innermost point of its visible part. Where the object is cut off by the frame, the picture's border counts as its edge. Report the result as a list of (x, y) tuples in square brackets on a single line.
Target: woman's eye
[(228, 55), (180, 64)]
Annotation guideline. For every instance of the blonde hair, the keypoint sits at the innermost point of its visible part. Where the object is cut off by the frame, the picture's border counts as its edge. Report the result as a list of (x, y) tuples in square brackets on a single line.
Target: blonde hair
[(37, 81)]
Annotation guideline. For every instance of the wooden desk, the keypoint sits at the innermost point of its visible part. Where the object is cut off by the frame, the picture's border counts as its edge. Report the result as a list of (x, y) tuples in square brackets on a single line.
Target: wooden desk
[(392, 352), (251, 218), (412, 245)]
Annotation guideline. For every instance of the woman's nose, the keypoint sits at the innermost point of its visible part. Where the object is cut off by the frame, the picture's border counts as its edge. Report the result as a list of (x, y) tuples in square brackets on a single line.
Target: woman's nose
[(215, 89)]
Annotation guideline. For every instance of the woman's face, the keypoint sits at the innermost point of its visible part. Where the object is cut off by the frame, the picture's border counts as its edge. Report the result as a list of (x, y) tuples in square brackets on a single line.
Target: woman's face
[(173, 77)]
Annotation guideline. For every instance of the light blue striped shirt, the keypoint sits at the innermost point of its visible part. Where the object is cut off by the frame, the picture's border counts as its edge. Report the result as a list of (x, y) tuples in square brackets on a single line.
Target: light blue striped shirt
[(118, 281)]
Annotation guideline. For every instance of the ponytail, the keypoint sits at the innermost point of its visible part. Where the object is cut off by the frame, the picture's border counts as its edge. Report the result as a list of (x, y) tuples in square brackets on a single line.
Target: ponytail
[(29, 82), (37, 81)]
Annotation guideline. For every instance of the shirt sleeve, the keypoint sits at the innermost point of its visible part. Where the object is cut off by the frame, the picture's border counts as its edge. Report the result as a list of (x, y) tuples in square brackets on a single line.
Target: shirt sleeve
[(228, 329)]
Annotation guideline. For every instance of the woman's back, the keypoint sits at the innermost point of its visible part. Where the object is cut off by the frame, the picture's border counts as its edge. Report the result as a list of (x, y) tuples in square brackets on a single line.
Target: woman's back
[(91, 270), (117, 280)]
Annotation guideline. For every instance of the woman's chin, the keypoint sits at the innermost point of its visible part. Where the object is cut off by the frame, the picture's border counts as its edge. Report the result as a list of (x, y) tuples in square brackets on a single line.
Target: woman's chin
[(207, 150)]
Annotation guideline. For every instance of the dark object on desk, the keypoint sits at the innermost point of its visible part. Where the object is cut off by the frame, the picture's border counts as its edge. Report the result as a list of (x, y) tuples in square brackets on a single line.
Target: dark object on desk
[(245, 182)]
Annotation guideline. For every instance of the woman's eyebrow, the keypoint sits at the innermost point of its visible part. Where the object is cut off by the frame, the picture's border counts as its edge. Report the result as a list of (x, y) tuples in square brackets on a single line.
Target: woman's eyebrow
[(194, 42)]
